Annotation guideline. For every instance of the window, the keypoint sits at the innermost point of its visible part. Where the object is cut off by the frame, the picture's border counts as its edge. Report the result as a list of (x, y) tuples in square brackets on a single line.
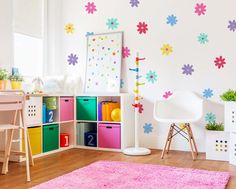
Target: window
[(29, 37)]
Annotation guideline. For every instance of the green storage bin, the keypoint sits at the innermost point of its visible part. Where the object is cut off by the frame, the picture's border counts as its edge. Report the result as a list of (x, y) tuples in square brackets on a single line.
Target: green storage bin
[(86, 108), (50, 137)]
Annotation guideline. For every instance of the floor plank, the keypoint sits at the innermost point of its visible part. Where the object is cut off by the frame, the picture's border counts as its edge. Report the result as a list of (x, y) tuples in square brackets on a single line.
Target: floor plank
[(54, 165)]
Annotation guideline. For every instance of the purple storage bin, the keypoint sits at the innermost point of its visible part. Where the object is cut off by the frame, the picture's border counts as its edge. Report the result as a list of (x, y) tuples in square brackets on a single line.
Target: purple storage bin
[(100, 111)]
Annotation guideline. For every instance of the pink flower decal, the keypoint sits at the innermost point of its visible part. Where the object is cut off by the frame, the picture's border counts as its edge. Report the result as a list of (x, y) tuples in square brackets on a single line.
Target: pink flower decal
[(125, 52), (142, 27), (220, 62), (167, 94), (90, 7), (200, 9)]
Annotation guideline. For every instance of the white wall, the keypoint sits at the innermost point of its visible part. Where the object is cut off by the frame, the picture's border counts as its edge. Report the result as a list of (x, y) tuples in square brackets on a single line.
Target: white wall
[(186, 50), (6, 36)]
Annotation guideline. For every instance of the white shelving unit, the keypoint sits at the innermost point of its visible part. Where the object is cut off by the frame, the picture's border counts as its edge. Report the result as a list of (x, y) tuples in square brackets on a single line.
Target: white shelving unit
[(69, 126)]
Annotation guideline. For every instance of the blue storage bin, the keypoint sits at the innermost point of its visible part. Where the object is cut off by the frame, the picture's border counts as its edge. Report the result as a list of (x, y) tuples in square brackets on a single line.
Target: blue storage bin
[(90, 138), (49, 116), (44, 113)]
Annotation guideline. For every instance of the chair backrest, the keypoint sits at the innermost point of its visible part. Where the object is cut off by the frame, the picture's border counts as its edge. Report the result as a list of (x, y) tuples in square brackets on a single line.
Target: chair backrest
[(188, 101), (181, 105), (12, 100)]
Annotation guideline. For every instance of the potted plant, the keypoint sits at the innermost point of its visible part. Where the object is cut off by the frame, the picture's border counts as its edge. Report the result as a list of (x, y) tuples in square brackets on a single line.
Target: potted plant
[(217, 142), (229, 98), (16, 81), (3, 78)]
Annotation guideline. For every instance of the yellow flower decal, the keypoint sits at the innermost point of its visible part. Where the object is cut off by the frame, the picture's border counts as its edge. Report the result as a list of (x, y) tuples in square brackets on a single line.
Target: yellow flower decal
[(69, 28), (166, 49)]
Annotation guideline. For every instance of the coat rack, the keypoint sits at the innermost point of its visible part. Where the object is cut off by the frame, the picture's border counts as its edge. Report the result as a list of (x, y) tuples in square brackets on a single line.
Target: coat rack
[(136, 150)]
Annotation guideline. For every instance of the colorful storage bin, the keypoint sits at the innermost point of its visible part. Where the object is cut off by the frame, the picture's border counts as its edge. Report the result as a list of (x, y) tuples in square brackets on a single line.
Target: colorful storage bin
[(64, 140), (66, 108), (107, 108), (50, 137), (90, 138), (109, 136), (35, 136), (51, 103), (44, 113), (86, 108)]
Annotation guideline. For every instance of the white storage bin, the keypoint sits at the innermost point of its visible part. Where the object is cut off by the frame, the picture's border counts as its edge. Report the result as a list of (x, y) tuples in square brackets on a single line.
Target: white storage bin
[(230, 116), (217, 145), (232, 153), (33, 111)]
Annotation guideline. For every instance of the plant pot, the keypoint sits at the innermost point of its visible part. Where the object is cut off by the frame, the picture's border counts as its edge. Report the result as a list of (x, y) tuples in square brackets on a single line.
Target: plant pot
[(230, 116), (16, 84), (3, 84), (217, 145)]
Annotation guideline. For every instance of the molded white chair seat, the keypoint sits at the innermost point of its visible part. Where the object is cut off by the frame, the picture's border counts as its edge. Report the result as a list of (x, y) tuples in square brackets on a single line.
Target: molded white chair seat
[(183, 107)]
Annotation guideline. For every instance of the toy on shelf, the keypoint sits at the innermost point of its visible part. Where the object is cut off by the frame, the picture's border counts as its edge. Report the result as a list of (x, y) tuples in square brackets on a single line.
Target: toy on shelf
[(136, 150), (115, 115), (37, 85)]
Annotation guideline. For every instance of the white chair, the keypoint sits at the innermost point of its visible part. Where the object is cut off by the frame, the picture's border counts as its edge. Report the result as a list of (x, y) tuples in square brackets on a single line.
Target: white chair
[(184, 107), (13, 101)]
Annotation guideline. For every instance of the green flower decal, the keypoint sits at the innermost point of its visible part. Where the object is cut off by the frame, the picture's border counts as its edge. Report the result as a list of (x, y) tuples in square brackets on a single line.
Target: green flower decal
[(112, 23), (151, 77), (202, 38)]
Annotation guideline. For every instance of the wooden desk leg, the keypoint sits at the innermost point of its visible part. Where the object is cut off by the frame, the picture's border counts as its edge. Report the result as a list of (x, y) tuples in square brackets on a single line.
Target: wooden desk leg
[(7, 151)]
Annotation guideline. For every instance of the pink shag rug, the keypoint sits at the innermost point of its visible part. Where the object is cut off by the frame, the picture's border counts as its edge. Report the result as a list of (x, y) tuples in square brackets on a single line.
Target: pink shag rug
[(124, 175)]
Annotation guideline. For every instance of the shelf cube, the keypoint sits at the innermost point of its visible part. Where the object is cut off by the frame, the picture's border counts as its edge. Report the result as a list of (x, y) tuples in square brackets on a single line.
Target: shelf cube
[(66, 108), (50, 137), (33, 111), (217, 145), (230, 116), (109, 136)]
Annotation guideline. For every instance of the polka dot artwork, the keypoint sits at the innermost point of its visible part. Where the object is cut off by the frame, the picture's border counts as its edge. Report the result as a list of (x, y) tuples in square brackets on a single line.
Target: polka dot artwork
[(104, 55)]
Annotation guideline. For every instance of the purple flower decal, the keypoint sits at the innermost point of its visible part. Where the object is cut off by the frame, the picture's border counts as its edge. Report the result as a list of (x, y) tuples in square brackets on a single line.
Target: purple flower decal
[(187, 69), (232, 25), (134, 3), (72, 59)]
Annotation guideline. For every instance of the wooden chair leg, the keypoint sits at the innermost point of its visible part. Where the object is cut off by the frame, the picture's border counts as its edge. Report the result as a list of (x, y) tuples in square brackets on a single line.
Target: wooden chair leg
[(26, 148), (167, 140), (7, 151), (170, 138), (190, 141), (31, 160), (194, 142)]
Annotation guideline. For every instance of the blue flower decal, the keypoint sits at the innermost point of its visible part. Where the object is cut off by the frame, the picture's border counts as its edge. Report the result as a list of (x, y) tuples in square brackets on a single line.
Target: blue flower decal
[(202, 38), (172, 20), (207, 93), (147, 128), (151, 76), (112, 23), (89, 33), (122, 83), (210, 118)]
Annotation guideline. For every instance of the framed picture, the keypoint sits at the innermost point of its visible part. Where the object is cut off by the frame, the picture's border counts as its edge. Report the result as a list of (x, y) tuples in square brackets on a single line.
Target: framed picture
[(103, 66)]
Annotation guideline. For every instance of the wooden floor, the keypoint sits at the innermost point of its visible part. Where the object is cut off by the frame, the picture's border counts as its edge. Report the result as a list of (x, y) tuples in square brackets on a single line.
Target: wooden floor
[(51, 166)]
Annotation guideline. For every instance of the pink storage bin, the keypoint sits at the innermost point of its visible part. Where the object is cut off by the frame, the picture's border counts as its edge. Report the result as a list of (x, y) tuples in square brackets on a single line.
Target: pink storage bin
[(66, 108), (109, 135)]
